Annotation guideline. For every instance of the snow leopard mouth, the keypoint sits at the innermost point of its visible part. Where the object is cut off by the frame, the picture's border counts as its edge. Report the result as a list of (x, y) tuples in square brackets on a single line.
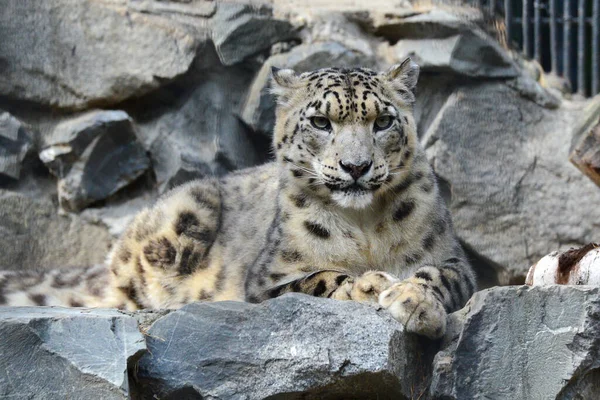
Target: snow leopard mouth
[(353, 188), (353, 196)]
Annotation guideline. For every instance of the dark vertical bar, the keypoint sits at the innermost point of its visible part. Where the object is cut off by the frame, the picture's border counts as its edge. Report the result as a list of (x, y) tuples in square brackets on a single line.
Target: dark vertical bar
[(553, 42), (537, 33), (595, 48), (581, 83), (508, 19), (525, 22), (567, 40), (492, 8)]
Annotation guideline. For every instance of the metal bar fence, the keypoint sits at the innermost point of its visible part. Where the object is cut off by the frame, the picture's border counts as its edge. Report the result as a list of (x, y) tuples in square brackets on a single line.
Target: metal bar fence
[(596, 47), (525, 27), (581, 76), (537, 32), (562, 35), (566, 38), (553, 37), (508, 10)]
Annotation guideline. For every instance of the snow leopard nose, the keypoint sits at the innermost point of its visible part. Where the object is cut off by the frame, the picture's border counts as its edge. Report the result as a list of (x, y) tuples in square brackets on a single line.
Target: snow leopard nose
[(356, 170)]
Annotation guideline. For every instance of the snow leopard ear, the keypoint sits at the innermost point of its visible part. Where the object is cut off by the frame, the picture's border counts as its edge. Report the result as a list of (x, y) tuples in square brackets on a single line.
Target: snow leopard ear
[(283, 81), (404, 77)]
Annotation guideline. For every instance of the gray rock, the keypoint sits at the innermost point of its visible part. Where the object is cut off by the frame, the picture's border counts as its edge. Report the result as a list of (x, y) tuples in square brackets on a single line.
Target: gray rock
[(471, 53), (51, 353), (259, 109), (202, 135), (34, 236), (117, 215), (514, 196), (410, 23), (242, 30), (529, 88), (175, 8), (92, 53), (93, 155), (524, 343), (15, 142), (295, 346)]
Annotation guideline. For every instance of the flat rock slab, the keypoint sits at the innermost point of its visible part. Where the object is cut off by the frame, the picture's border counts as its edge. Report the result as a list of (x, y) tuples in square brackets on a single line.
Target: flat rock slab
[(61, 353), (525, 343), (295, 346), (472, 53)]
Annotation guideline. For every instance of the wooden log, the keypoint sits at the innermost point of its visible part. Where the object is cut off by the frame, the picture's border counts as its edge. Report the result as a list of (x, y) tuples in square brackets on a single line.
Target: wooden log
[(585, 141), (586, 155), (572, 267)]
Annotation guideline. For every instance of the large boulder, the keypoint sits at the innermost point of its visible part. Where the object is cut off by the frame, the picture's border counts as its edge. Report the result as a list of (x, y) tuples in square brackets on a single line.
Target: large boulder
[(524, 343), (503, 160), (15, 142), (35, 236), (201, 133), (472, 53), (52, 353), (80, 53), (93, 155), (242, 30), (292, 347)]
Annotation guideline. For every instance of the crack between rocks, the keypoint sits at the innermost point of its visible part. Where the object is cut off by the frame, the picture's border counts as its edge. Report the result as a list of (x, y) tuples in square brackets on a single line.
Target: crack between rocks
[(55, 80)]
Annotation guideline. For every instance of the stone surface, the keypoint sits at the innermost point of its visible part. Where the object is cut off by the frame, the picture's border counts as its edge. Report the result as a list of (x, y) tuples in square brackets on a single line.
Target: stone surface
[(93, 155), (243, 30), (259, 109), (471, 53), (295, 346), (117, 215), (35, 237), (175, 8), (15, 142), (530, 89), (524, 343), (80, 53), (412, 23), (48, 353), (202, 134), (504, 161)]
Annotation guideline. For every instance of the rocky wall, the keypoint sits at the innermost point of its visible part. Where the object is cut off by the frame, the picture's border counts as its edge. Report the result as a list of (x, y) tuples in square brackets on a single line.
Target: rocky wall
[(106, 104)]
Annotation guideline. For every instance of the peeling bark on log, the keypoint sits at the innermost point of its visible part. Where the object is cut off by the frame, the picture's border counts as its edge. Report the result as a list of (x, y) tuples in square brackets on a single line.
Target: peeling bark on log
[(572, 267)]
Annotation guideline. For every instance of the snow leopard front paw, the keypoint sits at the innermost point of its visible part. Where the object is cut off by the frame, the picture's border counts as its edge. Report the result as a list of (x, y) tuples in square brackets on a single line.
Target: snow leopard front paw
[(416, 307), (366, 288)]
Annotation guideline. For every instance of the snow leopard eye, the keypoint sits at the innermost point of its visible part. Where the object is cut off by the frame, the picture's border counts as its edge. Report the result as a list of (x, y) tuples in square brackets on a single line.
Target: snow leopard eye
[(383, 122), (321, 123)]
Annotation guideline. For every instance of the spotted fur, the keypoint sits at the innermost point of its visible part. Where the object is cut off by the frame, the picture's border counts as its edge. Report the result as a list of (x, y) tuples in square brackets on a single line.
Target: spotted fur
[(349, 210)]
